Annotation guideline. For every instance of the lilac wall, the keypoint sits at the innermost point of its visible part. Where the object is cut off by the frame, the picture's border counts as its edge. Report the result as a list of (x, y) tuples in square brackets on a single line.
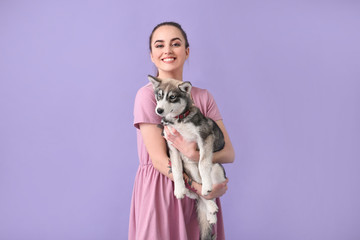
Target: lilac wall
[(285, 76)]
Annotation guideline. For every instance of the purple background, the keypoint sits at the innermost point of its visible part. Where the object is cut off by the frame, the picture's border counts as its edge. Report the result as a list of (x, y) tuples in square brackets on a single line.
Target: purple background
[(285, 74)]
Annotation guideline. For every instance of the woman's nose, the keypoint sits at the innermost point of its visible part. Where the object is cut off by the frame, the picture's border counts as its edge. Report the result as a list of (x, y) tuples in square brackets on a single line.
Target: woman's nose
[(168, 49)]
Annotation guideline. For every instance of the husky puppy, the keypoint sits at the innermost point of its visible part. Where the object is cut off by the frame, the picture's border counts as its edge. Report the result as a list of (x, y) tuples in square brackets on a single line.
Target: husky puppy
[(176, 108)]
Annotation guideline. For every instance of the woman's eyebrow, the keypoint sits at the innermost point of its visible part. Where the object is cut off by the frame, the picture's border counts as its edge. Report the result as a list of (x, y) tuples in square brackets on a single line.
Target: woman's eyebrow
[(159, 41), (173, 39), (176, 39)]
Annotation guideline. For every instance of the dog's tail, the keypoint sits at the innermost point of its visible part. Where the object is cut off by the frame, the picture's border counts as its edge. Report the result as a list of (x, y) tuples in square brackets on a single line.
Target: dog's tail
[(205, 226)]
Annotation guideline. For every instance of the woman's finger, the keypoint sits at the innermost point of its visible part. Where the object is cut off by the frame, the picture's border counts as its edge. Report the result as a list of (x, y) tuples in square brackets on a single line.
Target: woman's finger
[(166, 130)]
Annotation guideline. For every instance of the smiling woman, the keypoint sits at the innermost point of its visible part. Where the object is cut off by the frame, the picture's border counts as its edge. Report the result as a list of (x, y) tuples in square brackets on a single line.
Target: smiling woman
[(169, 49), (155, 212)]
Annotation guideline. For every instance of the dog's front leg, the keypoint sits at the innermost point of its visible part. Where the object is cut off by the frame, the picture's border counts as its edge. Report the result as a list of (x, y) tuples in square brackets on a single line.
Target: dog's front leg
[(177, 169), (192, 170)]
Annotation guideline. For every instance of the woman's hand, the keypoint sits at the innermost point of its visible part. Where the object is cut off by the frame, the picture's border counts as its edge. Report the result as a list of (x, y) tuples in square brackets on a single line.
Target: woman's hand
[(218, 190), (189, 149)]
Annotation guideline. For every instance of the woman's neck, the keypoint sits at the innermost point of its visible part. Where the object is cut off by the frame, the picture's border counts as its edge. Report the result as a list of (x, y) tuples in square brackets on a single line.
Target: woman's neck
[(173, 75)]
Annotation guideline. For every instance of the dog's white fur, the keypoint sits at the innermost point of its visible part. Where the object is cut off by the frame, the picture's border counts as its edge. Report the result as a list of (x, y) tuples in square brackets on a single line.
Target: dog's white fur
[(205, 171)]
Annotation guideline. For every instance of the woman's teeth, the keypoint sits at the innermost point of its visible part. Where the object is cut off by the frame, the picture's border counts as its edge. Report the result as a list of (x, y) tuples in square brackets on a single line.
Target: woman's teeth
[(168, 59)]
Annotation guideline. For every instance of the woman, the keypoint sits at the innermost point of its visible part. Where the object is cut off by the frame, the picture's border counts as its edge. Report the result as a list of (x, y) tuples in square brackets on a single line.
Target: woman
[(155, 212)]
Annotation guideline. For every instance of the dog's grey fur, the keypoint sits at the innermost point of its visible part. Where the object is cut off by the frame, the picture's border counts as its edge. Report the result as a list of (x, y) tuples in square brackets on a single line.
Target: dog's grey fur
[(176, 108)]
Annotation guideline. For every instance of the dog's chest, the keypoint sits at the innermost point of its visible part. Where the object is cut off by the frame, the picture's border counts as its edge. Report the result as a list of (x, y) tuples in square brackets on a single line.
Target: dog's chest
[(188, 130)]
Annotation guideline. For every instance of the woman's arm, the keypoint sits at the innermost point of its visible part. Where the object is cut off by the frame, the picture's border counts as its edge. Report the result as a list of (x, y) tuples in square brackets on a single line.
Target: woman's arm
[(156, 147), (189, 149), (227, 154)]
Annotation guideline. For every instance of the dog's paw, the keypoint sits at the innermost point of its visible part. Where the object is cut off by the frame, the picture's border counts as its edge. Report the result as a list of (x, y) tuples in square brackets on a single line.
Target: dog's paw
[(212, 207), (206, 189), (212, 218), (180, 192), (191, 195)]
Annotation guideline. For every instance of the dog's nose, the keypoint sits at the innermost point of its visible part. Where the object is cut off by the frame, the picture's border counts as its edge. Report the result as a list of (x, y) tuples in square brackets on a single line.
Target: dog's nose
[(159, 110)]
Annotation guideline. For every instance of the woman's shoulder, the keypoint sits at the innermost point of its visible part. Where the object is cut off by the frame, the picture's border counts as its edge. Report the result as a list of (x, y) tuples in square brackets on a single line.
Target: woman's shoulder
[(144, 106), (200, 93), (205, 101), (147, 88), (145, 91)]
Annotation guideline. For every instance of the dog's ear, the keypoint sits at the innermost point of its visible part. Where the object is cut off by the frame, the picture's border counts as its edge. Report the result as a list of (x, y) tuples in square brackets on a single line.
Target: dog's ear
[(185, 87), (154, 80)]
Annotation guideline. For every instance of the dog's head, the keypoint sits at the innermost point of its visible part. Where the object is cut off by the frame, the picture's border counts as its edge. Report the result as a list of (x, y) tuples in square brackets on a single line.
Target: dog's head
[(172, 96)]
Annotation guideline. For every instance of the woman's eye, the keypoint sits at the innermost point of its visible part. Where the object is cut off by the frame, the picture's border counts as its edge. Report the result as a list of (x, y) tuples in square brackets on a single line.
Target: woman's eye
[(176, 44), (159, 46)]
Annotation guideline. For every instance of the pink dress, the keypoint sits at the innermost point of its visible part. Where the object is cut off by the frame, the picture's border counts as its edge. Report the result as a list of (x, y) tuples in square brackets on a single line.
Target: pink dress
[(156, 214)]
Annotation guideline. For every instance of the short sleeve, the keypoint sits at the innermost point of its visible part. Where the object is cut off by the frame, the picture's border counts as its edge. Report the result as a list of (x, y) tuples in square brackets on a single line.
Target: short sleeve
[(144, 107), (212, 110)]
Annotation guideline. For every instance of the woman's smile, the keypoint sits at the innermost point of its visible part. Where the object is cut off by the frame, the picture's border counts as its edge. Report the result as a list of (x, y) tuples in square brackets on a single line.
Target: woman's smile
[(168, 59)]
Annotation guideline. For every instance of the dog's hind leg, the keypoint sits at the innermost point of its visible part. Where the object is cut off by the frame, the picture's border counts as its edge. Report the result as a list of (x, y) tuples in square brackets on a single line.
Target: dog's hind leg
[(218, 174), (205, 165)]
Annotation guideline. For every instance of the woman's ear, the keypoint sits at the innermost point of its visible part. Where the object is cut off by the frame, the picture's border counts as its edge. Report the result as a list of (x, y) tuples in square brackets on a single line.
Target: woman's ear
[(187, 52), (151, 57)]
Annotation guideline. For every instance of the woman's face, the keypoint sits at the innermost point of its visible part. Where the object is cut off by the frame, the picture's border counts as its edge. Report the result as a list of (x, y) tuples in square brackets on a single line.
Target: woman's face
[(168, 51)]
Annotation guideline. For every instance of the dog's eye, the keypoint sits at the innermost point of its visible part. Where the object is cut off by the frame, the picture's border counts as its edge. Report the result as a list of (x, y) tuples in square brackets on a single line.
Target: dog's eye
[(159, 95), (172, 97)]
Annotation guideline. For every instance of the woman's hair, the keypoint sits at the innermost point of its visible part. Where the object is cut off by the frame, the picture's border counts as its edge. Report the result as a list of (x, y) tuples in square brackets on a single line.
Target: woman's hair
[(174, 24)]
